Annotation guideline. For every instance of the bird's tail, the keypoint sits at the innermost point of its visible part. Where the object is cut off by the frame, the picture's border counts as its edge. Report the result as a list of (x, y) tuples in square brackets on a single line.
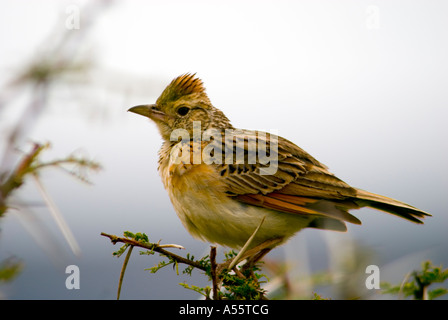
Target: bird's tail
[(392, 206)]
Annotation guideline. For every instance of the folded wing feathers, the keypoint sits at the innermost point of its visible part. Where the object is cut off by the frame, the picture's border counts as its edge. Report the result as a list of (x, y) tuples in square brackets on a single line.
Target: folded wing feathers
[(296, 205), (389, 205), (300, 185)]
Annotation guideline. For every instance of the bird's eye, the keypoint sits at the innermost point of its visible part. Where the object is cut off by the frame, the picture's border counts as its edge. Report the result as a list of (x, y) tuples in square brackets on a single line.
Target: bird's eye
[(183, 111)]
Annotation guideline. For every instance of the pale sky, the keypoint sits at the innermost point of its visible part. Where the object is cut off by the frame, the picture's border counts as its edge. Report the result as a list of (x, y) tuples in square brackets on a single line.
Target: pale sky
[(361, 85)]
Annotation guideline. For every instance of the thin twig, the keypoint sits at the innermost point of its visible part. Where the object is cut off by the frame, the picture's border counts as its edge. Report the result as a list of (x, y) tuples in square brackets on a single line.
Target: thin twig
[(58, 217), (123, 269), (16, 178), (405, 279), (154, 247), (213, 273), (177, 246), (238, 272)]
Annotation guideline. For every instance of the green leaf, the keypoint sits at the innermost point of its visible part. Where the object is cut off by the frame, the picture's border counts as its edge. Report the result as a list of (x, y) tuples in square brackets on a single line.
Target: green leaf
[(433, 294), (9, 269), (159, 266), (203, 291), (419, 282), (120, 251)]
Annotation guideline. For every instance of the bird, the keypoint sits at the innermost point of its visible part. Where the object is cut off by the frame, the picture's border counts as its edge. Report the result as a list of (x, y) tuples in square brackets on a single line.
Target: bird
[(223, 189)]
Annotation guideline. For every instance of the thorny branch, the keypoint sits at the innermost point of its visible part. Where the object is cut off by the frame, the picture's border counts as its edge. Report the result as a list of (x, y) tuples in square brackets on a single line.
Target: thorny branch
[(213, 265), (216, 271), (31, 165), (15, 179), (153, 247)]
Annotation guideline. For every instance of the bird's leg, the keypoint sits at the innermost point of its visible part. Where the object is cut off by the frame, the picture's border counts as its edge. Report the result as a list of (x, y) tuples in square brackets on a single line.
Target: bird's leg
[(257, 257), (259, 252)]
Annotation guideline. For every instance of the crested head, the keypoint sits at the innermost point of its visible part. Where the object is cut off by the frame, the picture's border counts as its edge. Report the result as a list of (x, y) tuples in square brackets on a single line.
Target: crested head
[(182, 103), (182, 86)]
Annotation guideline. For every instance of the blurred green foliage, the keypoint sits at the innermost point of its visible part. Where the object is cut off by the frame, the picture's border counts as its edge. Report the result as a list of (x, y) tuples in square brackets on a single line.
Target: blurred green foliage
[(417, 283)]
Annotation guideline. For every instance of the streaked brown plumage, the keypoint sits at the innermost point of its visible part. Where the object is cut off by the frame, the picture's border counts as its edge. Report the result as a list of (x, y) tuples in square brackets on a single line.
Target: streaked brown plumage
[(224, 202)]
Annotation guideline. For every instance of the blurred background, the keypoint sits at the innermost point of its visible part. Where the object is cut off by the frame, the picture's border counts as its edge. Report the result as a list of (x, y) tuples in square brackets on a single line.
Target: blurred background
[(361, 85)]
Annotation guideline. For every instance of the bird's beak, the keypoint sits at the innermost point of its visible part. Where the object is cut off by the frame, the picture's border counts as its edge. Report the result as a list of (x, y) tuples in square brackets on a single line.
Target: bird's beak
[(151, 111)]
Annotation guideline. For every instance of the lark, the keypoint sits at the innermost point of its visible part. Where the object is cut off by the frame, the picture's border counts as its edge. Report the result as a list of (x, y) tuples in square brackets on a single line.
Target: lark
[(222, 195)]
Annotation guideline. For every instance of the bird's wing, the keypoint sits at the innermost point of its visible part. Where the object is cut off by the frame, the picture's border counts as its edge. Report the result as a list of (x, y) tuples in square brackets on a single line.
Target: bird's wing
[(283, 177)]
